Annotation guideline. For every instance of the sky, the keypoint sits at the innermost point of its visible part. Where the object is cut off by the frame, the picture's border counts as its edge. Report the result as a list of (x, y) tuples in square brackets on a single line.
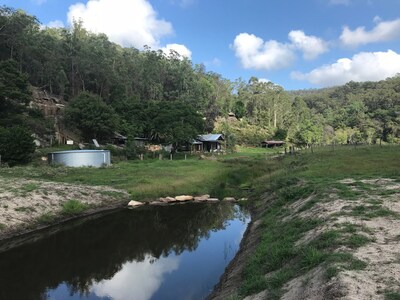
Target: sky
[(298, 44)]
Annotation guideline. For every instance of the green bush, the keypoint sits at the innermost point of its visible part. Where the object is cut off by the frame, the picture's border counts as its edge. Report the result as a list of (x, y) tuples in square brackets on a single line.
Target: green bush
[(16, 145), (73, 207)]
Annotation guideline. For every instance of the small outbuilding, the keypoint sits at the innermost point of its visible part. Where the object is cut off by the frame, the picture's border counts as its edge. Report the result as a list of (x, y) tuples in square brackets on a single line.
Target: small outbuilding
[(211, 142), (272, 144)]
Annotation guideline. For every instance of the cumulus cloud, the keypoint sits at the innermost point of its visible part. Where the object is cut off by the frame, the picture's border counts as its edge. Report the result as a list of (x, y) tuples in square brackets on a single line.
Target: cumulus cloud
[(181, 49), (126, 22), (138, 280), (383, 31), (254, 53), (310, 45), (364, 66)]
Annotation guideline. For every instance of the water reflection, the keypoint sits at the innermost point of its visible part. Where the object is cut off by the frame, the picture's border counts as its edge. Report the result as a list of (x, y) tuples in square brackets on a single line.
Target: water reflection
[(151, 253), (138, 279)]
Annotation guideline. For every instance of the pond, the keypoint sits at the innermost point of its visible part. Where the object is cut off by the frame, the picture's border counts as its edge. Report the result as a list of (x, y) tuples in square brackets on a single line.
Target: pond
[(175, 252)]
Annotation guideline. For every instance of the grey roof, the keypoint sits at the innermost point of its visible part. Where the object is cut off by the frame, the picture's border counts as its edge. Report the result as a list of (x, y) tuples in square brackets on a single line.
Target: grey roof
[(210, 137), (195, 142)]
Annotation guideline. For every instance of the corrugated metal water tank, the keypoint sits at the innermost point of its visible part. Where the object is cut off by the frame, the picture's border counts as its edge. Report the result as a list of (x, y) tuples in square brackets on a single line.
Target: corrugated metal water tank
[(81, 158)]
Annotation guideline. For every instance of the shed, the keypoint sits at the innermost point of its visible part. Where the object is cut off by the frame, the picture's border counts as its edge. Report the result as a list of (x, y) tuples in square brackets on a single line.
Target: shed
[(211, 142), (272, 144)]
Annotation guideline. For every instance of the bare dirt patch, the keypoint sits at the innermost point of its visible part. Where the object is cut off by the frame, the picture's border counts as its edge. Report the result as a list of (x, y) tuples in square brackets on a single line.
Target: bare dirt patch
[(374, 214), (381, 254), (25, 204)]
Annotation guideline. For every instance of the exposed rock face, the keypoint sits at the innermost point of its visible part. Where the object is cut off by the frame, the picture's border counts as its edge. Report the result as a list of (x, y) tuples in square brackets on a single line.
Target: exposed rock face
[(184, 198), (49, 104)]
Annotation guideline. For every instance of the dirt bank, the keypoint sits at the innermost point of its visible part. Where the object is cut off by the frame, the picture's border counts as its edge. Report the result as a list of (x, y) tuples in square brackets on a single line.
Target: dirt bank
[(29, 205), (370, 228)]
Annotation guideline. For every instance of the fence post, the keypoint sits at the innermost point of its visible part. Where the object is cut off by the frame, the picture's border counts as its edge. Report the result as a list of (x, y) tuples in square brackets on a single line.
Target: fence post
[(160, 156), (170, 157)]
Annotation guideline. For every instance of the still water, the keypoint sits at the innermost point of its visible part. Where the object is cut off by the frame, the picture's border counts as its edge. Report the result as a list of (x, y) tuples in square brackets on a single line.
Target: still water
[(175, 252)]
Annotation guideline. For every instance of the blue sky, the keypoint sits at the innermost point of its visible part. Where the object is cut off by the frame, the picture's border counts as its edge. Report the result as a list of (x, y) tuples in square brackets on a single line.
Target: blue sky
[(297, 44)]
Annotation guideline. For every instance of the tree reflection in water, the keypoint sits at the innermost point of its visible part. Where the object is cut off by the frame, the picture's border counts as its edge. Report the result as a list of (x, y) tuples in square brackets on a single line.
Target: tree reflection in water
[(85, 255)]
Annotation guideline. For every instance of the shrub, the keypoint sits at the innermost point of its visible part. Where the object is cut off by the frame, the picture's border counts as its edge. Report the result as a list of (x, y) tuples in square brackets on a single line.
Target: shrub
[(16, 145)]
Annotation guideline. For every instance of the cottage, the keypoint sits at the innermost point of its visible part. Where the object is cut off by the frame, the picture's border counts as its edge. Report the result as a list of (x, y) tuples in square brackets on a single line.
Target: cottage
[(272, 144), (209, 142)]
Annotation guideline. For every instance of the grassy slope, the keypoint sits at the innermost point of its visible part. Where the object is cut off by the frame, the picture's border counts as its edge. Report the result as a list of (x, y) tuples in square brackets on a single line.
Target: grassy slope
[(316, 176)]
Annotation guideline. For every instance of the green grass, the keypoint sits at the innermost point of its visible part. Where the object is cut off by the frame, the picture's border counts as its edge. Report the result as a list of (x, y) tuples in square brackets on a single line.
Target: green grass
[(2, 226), (30, 187), (46, 218), (25, 209), (392, 296), (73, 207), (316, 175), (229, 175), (278, 182)]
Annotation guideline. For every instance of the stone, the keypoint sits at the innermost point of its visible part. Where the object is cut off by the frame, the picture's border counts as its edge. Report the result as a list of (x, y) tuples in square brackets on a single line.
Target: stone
[(212, 200), (243, 199), (229, 199), (167, 200), (184, 198), (201, 198), (158, 203), (134, 203)]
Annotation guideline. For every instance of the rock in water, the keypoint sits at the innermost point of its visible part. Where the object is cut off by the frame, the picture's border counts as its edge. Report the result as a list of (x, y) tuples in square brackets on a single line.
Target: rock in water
[(184, 198), (134, 203)]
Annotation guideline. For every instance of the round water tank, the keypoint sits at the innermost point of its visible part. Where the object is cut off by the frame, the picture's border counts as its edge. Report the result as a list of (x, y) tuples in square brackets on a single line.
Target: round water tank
[(81, 158)]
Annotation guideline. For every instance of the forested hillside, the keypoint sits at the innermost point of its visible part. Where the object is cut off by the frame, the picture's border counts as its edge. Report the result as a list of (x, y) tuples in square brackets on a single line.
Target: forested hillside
[(168, 99)]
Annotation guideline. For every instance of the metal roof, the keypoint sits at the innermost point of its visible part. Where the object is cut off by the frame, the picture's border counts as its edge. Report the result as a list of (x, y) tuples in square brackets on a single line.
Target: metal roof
[(210, 137)]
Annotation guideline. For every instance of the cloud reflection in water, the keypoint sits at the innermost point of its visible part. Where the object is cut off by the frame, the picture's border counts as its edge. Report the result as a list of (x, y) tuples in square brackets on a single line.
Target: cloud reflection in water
[(137, 280)]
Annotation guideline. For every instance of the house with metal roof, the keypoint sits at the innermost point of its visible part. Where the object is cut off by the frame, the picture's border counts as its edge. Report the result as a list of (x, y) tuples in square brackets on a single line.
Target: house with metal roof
[(208, 142), (272, 144)]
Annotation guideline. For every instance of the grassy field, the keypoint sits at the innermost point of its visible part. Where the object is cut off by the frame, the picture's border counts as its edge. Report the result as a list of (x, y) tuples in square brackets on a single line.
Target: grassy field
[(226, 175)]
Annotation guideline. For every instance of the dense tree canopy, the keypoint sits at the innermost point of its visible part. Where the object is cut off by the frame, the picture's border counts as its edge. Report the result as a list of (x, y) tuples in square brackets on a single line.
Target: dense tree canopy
[(169, 100)]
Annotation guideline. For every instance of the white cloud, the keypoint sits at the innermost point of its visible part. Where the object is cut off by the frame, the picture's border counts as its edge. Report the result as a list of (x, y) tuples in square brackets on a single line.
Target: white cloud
[(126, 22), (364, 66), (254, 53), (264, 80), (310, 45), (181, 49), (383, 31), (136, 280)]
